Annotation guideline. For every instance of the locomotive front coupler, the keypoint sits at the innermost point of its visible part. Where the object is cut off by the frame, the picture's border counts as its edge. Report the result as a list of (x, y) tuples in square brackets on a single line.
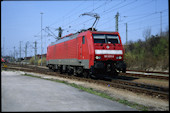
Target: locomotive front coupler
[(103, 67), (121, 66)]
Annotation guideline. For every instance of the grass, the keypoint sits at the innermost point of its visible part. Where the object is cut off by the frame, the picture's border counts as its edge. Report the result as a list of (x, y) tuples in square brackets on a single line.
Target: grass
[(99, 93)]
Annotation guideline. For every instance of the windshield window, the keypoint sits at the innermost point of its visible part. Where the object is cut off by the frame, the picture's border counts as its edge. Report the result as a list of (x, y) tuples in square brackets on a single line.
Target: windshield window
[(106, 38), (114, 39), (99, 38)]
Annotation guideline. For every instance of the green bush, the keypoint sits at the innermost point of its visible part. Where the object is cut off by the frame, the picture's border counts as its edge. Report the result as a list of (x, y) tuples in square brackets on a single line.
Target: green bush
[(151, 53), (32, 60), (43, 61)]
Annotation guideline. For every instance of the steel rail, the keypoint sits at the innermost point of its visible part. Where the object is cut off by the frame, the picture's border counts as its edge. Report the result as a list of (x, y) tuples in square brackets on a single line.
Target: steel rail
[(146, 76), (148, 71)]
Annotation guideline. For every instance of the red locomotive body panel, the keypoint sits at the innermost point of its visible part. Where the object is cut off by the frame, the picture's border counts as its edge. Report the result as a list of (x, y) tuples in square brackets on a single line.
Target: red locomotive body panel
[(73, 50), (64, 50)]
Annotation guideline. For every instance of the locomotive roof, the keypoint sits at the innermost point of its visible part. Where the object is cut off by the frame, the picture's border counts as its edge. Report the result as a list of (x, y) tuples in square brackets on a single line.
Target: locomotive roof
[(72, 36), (104, 32), (65, 38)]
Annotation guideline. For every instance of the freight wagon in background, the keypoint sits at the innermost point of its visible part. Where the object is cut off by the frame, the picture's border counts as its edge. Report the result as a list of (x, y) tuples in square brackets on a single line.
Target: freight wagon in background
[(87, 53)]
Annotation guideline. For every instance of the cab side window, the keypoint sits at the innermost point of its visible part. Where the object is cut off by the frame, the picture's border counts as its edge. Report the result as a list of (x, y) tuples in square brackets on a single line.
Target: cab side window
[(83, 40)]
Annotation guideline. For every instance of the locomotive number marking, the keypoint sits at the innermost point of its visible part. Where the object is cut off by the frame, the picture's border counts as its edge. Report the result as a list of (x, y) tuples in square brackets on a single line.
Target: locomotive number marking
[(108, 56)]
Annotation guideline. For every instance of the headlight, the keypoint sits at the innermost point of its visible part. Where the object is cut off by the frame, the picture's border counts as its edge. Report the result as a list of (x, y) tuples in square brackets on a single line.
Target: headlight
[(119, 57), (98, 57)]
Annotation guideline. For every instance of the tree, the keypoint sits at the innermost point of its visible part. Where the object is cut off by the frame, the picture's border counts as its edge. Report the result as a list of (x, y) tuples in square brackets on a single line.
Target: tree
[(147, 33)]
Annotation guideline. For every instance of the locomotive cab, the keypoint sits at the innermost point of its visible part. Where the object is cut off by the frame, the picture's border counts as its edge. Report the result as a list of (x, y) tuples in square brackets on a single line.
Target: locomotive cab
[(108, 53)]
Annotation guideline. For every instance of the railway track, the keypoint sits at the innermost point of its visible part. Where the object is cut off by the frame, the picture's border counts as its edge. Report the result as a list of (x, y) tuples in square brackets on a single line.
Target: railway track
[(145, 76), (148, 71), (154, 91)]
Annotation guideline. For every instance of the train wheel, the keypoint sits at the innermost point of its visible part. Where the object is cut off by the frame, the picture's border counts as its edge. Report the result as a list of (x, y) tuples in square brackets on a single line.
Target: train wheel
[(53, 68), (86, 73), (74, 71), (114, 73), (61, 69), (92, 73), (69, 71)]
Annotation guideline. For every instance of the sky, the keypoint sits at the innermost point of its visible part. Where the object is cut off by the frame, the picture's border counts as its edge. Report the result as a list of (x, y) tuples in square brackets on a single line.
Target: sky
[(21, 21)]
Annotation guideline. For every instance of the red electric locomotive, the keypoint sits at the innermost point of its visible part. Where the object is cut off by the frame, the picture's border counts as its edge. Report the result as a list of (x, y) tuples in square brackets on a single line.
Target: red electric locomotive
[(87, 53)]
